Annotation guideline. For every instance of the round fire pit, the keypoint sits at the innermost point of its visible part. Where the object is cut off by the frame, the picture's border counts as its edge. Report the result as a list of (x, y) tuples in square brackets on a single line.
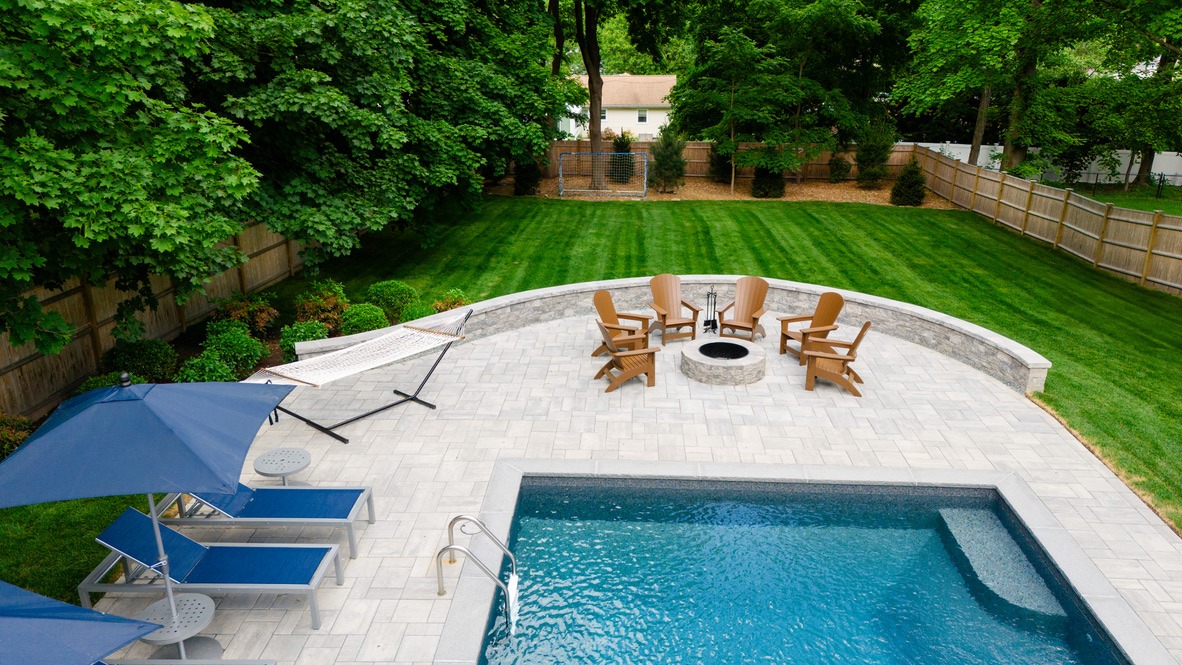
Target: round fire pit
[(732, 362)]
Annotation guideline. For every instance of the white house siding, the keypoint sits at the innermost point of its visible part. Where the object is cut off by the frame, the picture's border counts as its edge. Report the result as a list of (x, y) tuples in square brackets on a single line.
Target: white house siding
[(621, 119)]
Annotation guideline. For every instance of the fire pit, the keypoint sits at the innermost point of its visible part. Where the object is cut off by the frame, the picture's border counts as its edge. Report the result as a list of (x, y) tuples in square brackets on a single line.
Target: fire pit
[(728, 363)]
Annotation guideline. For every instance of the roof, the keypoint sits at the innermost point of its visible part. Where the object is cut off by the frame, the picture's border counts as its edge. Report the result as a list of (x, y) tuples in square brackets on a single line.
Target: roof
[(626, 90)]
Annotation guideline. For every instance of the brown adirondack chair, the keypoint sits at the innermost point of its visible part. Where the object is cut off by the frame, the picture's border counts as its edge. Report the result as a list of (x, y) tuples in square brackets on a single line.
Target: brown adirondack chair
[(626, 363), (748, 307), (625, 337), (820, 323), (668, 304), (824, 362)]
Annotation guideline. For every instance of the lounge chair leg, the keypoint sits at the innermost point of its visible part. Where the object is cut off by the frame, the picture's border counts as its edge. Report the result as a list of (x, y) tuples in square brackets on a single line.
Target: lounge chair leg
[(352, 540), (314, 608), (810, 380), (373, 514), (340, 571), (652, 378), (84, 596)]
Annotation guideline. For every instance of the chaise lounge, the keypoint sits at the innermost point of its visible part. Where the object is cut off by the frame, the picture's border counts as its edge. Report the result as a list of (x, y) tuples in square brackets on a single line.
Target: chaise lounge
[(215, 568)]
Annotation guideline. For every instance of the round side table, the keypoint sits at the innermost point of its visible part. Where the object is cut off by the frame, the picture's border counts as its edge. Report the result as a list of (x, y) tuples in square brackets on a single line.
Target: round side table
[(282, 462), (194, 612)]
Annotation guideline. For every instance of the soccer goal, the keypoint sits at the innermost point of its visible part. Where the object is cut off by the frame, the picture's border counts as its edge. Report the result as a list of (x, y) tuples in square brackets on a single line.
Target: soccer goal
[(603, 174)]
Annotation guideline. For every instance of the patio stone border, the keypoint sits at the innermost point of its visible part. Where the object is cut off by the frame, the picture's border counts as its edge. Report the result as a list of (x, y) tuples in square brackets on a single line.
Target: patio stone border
[(472, 598), (1015, 365)]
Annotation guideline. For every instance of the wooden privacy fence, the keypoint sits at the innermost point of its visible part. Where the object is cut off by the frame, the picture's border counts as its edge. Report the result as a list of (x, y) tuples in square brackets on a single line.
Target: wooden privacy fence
[(1145, 247), (32, 383)]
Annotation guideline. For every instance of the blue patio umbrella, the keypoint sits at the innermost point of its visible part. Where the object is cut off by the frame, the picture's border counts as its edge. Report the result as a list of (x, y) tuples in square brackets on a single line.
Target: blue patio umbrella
[(141, 439), (35, 630)]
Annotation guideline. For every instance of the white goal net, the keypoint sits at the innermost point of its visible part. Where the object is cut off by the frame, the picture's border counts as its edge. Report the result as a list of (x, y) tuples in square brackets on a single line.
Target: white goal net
[(603, 174)]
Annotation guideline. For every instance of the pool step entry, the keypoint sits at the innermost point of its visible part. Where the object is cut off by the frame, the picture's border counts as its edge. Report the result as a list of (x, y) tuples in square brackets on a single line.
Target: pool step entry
[(997, 563), (509, 588)]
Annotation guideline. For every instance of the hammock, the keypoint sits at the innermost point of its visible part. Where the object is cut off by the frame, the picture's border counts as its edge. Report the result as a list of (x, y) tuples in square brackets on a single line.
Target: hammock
[(390, 348)]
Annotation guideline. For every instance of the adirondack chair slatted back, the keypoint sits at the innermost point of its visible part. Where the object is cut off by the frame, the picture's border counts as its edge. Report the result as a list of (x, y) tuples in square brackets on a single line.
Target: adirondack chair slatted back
[(605, 307), (666, 290), (828, 307), (750, 292)]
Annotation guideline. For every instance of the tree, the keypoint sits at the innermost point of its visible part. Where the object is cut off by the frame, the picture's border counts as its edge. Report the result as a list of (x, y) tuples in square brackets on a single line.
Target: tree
[(667, 172), (107, 166)]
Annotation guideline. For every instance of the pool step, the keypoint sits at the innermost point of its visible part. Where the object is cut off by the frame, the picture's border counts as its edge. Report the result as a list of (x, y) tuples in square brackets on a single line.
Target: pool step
[(998, 563)]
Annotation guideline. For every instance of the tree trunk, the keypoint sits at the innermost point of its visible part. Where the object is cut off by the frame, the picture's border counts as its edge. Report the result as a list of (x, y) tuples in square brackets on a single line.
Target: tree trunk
[(559, 39), (1165, 66), (587, 35), (734, 148), (1132, 158), (1026, 57), (979, 129)]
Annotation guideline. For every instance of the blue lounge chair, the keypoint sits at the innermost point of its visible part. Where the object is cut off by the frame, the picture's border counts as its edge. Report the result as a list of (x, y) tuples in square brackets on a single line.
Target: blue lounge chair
[(336, 507), (214, 568)]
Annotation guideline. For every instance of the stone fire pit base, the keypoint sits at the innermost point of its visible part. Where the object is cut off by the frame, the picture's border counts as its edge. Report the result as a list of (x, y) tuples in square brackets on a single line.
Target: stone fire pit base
[(722, 371)]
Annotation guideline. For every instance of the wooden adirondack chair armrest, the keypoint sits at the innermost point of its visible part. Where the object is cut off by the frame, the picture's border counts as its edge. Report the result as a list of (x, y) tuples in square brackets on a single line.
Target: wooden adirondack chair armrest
[(694, 309), (612, 326), (827, 356), (837, 342), (636, 352), (818, 329), (794, 319), (727, 307), (661, 311), (759, 313), (643, 318)]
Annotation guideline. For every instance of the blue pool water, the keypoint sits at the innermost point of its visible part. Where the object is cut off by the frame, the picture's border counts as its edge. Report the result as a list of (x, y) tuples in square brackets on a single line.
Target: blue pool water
[(682, 572)]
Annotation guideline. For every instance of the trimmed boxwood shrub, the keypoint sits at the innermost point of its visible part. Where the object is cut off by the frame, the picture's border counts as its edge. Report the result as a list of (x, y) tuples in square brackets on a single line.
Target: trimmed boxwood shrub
[(910, 187), (153, 359), (393, 297), (839, 168), (252, 310), (300, 331), (768, 184), (238, 350), (363, 317), (417, 310), (104, 381), (527, 177), (452, 299), (324, 301), (206, 367), (215, 328)]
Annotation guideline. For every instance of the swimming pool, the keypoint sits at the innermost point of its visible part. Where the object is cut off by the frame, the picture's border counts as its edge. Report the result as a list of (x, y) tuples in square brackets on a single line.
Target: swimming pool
[(646, 571)]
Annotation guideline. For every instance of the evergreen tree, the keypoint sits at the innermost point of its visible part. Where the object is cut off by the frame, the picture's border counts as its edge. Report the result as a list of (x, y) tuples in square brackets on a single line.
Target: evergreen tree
[(910, 187), (667, 171), (874, 150)]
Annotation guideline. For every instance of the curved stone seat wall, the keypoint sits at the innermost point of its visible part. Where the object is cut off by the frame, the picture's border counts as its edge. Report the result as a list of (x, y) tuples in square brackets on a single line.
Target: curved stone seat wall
[(1011, 363)]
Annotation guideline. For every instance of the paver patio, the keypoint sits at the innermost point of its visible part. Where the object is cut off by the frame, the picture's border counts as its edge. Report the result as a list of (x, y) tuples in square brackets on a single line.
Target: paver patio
[(529, 393)]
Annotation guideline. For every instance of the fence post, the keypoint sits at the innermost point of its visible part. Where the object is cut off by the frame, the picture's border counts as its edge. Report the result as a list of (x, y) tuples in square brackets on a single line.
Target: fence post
[(1026, 210), (1103, 233), (1149, 246), (1062, 218), (290, 259), (96, 340), (241, 266), (1001, 190), (976, 180)]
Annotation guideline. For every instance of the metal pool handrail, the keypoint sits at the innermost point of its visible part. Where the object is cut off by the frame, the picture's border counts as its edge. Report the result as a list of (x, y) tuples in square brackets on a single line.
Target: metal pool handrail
[(479, 564), (451, 539)]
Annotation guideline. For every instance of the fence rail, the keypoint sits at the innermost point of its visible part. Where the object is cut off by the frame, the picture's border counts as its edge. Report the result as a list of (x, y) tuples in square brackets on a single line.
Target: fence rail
[(31, 383), (1142, 246)]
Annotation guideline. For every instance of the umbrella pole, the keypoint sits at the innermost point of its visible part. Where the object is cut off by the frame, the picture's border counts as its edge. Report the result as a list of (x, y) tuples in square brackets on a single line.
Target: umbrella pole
[(163, 556)]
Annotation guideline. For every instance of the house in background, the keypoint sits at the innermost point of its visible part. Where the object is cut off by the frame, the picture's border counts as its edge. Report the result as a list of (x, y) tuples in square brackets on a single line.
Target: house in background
[(638, 104)]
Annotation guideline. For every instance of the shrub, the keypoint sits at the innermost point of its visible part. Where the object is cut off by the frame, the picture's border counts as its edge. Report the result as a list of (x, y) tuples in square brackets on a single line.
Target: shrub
[(104, 381), (324, 301), (452, 299), (206, 367), (300, 331), (874, 150), (839, 168), (363, 317), (667, 171), (527, 177), (719, 167), (215, 328), (236, 349), (768, 184), (392, 296), (910, 187), (417, 310), (152, 359), (253, 310), (13, 432), (621, 167)]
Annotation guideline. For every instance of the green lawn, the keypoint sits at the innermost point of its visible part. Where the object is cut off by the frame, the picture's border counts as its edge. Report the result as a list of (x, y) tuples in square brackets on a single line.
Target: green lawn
[(1144, 198), (1115, 346)]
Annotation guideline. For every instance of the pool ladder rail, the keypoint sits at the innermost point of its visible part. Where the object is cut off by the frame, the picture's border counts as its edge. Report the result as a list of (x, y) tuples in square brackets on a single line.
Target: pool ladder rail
[(508, 588)]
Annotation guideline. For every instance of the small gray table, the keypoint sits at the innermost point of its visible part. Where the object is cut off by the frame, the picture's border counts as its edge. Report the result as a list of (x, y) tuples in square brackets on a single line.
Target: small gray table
[(194, 613), (282, 462)]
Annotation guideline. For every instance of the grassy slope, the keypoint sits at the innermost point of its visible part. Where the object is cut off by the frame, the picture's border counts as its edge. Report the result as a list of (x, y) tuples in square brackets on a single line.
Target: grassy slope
[(1115, 346), (1139, 199)]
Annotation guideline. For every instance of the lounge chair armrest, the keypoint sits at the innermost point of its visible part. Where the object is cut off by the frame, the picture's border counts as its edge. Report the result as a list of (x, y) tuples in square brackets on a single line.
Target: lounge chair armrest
[(794, 319), (692, 307), (726, 307), (836, 342), (818, 329), (827, 356), (636, 352), (645, 318), (661, 311), (759, 313), (612, 326)]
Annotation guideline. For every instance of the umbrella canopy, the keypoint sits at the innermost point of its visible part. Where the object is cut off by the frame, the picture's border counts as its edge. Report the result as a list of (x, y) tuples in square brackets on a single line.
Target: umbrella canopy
[(136, 439), (35, 630)]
